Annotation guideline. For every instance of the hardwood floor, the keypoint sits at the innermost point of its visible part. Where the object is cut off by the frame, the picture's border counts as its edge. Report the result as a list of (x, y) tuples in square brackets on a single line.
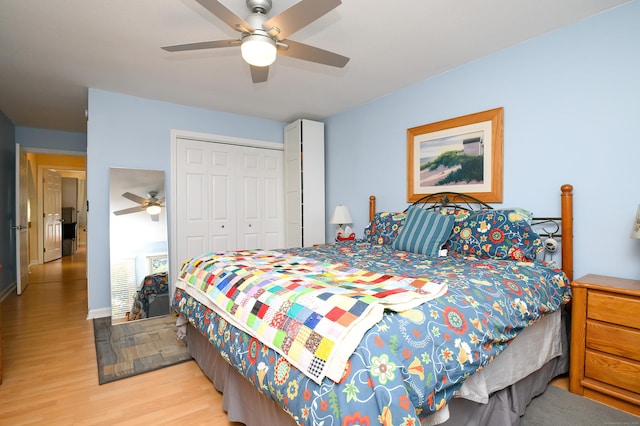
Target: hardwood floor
[(49, 364)]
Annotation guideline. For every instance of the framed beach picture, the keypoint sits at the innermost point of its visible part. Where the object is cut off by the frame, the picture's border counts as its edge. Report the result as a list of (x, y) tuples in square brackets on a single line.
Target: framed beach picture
[(462, 154)]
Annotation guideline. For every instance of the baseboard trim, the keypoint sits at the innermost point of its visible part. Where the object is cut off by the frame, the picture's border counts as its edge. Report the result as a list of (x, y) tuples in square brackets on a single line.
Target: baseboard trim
[(11, 289), (99, 313)]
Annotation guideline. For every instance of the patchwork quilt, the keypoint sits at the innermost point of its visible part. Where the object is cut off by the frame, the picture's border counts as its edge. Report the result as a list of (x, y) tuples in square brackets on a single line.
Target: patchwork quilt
[(410, 363), (313, 313)]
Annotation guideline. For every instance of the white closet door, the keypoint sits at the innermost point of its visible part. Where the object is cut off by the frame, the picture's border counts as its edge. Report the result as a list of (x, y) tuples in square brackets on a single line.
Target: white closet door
[(249, 198), (191, 182), (293, 184), (222, 197), (304, 183), (260, 199), (205, 199), (273, 199), (228, 197)]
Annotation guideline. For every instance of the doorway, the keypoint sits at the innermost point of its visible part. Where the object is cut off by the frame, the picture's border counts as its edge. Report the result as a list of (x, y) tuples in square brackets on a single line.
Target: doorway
[(69, 166)]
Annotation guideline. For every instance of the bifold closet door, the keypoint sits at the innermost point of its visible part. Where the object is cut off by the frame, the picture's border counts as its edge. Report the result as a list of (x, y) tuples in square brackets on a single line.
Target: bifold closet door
[(206, 207), (260, 199), (229, 197)]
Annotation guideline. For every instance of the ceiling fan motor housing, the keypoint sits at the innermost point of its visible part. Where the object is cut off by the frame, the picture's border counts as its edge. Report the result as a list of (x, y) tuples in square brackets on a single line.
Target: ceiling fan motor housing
[(259, 6)]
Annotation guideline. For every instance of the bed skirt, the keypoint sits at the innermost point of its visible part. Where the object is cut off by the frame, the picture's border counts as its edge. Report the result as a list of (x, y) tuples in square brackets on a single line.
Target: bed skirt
[(244, 404)]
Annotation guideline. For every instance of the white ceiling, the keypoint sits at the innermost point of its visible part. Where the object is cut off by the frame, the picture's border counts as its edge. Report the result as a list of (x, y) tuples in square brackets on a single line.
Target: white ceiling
[(51, 51)]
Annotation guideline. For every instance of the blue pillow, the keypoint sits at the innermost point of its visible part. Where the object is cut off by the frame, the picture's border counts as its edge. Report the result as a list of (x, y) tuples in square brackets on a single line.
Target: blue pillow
[(424, 232), (384, 227), (496, 234)]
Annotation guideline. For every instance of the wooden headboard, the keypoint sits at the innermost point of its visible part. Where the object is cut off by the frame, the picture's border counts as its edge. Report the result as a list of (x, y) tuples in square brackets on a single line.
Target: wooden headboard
[(566, 220)]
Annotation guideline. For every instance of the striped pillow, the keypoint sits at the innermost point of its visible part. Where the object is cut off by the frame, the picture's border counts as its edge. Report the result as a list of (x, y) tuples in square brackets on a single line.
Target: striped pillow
[(424, 232)]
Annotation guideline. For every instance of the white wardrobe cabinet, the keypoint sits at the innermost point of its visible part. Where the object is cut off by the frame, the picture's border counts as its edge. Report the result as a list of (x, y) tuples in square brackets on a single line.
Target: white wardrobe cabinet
[(304, 183)]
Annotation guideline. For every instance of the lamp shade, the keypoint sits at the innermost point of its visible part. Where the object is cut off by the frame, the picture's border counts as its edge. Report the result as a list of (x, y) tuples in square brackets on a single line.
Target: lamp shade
[(153, 209), (258, 50), (340, 215), (635, 232)]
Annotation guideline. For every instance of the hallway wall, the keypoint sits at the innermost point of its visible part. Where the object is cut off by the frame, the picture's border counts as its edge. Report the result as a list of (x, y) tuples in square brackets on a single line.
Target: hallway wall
[(7, 205)]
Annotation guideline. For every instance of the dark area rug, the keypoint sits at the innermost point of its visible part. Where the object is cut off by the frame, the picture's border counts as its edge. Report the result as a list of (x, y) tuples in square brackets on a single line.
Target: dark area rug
[(136, 347), (559, 407)]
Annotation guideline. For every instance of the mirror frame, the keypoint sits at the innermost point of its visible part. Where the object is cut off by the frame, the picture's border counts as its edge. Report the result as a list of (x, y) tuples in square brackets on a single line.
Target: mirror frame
[(139, 245)]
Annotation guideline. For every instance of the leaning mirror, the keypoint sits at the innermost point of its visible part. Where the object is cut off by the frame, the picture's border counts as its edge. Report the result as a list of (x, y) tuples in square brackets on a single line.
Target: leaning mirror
[(138, 244)]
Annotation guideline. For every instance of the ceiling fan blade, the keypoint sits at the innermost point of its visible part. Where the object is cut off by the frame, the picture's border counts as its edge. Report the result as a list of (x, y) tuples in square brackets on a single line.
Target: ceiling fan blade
[(297, 16), (259, 74), (135, 198), (159, 201), (130, 210), (226, 16), (313, 54), (202, 45)]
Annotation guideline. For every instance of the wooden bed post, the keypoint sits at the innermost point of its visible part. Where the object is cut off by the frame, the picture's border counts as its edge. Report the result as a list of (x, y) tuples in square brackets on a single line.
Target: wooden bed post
[(372, 207), (567, 230)]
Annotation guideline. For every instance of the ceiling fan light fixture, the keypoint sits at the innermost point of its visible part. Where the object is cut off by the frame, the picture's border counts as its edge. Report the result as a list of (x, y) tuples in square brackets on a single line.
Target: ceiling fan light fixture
[(154, 210), (258, 50)]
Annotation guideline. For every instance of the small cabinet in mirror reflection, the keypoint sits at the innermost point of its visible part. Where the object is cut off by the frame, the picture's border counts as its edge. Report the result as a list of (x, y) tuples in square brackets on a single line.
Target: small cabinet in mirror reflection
[(138, 244)]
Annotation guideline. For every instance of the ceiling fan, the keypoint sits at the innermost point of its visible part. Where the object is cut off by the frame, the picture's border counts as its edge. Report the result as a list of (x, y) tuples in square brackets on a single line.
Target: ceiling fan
[(263, 38), (151, 205)]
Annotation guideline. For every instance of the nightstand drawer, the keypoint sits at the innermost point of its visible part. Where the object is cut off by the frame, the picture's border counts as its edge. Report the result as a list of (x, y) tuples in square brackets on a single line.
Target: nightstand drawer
[(612, 370), (613, 308), (613, 339)]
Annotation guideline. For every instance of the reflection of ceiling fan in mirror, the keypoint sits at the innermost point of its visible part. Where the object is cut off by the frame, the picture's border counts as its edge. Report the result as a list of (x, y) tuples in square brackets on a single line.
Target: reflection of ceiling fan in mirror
[(262, 38), (151, 205)]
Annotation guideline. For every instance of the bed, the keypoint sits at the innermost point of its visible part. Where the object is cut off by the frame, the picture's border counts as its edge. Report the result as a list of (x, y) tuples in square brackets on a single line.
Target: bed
[(466, 338), (152, 298)]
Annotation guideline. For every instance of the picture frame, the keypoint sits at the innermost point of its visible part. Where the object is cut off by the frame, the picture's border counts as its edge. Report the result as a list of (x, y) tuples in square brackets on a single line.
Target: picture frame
[(461, 154)]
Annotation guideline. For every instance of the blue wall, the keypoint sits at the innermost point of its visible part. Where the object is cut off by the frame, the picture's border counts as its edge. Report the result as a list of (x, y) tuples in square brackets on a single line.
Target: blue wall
[(47, 140), (571, 100), (125, 131), (7, 205)]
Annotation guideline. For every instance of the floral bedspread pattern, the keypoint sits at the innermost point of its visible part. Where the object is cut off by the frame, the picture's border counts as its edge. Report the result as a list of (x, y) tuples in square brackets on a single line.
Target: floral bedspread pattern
[(152, 284), (409, 364), (313, 313)]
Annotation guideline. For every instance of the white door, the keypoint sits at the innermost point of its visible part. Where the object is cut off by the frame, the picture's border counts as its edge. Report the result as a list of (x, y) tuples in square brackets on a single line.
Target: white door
[(260, 201), (293, 185), (205, 198), (22, 221), (52, 215), (249, 198), (221, 196), (228, 197)]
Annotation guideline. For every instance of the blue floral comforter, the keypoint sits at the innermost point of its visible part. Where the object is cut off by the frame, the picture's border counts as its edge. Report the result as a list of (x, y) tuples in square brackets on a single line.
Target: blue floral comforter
[(411, 363)]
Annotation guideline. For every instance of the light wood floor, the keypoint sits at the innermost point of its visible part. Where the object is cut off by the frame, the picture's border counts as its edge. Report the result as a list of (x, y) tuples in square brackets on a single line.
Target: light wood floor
[(49, 365)]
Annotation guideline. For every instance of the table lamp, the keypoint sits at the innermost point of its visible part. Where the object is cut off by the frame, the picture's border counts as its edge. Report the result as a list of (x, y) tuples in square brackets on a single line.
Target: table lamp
[(340, 217)]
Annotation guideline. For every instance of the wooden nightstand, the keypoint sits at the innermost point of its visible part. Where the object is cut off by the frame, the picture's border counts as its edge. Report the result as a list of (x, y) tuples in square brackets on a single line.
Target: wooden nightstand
[(605, 341)]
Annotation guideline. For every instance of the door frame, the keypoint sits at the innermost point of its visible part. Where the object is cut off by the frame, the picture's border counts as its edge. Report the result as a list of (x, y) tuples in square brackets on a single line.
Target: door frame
[(172, 209), (38, 177), (21, 227), (39, 189)]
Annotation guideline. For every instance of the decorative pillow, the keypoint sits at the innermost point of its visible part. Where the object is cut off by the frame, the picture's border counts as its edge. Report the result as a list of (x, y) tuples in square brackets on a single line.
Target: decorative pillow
[(424, 232), (498, 234), (460, 213), (384, 227)]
